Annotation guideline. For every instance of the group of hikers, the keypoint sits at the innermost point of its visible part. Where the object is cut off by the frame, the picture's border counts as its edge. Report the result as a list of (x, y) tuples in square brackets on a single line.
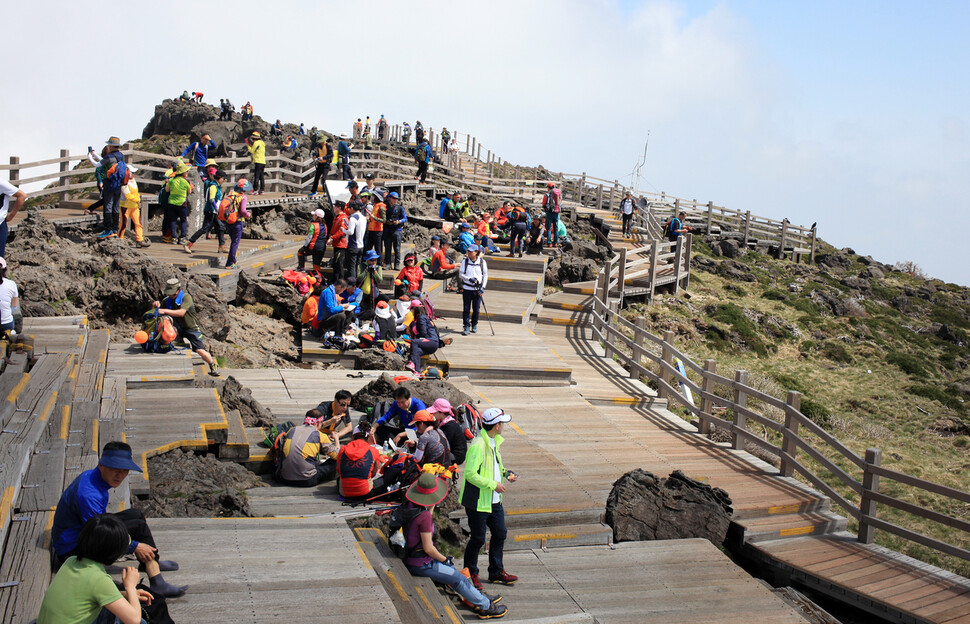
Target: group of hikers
[(406, 446)]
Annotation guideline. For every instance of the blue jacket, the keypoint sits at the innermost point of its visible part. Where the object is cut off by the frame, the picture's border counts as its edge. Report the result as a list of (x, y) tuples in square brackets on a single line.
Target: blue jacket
[(328, 304), (396, 213), (405, 416), (354, 298), (442, 206), (467, 238), (86, 497), (423, 153), (343, 149), (200, 152)]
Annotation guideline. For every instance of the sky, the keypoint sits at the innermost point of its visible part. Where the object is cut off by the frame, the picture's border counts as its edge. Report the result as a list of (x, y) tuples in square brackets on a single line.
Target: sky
[(854, 115)]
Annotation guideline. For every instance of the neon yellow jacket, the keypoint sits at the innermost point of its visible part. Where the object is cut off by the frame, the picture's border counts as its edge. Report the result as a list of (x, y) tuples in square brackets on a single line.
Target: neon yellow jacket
[(130, 197), (479, 468), (258, 151)]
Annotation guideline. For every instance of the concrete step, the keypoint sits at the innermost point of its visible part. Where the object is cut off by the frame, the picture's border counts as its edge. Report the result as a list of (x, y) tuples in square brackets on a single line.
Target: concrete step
[(786, 525), (648, 402), (558, 536), (580, 288)]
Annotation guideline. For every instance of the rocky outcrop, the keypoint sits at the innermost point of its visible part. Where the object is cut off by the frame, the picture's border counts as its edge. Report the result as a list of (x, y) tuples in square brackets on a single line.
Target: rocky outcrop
[(729, 248), (568, 269), (275, 293), (378, 359), (642, 506), (382, 389), (179, 117)]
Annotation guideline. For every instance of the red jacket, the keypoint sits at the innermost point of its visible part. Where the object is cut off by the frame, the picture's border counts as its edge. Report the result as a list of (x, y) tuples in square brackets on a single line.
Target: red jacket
[(338, 238), (414, 275), (440, 260), (357, 463)]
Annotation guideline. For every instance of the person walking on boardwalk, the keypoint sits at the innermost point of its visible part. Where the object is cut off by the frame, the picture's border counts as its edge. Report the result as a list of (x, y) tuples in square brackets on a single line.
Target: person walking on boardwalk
[(406, 133), (343, 152), (212, 193), (177, 213), (87, 497), (180, 306), (423, 156), (116, 174), (131, 207), (11, 201), (473, 276), (481, 496), (199, 152), (677, 227), (628, 206), (233, 212), (551, 202), (422, 558), (257, 151), (323, 156)]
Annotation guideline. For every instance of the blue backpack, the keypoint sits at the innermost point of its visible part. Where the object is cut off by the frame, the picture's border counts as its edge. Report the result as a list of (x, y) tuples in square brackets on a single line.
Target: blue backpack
[(116, 171)]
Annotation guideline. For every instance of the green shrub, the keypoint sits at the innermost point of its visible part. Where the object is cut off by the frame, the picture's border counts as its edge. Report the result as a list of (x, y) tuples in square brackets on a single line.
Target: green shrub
[(961, 442), (732, 315), (836, 352), (789, 382), (774, 294), (736, 290), (954, 316), (808, 346), (906, 363), (941, 396), (815, 411), (806, 305)]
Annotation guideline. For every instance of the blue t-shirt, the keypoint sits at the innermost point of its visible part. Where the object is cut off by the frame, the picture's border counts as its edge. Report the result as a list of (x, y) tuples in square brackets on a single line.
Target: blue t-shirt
[(86, 497), (404, 415)]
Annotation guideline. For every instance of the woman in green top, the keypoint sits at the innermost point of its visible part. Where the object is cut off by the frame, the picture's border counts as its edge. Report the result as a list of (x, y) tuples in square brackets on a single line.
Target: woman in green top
[(178, 188), (82, 592)]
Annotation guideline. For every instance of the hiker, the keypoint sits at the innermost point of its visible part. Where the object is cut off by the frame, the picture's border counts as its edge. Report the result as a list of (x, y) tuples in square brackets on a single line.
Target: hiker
[(424, 337), (212, 192), (277, 128), (520, 220), (315, 243), (11, 201), (289, 144), (628, 206), (300, 466), (411, 276), (418, 131), (406, 133), (302, 130), (95, 160), (131, 205), (537, 235), (462, 207), (432, 445), (369, 277), (177, 211), (481, 496), (446, 209), (423, 559), (82, 591), (308, 316), (323, 155), (677, 227), (376, 217), (343, 152), (257, 151), (396, 419), (395, 218), (451, 428), (222, 109), (115, 172), (352, 295), (483, 229), (473, 275), (335, 413), (179, 305), (355, 230), (367, 127), (200, 153), (552, 204), (233, 212), (198, 96), (338, 239), (332, 315), (358, 129), (501, 217), (423, 156), (357, 464), (382, 129), (87, 497), (11, 317), (442, 268), (445, 137), (247, 111), (465, 239)]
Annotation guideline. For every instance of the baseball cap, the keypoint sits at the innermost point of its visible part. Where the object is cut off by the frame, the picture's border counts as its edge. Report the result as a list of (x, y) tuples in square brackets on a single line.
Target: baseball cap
[(495, 415)]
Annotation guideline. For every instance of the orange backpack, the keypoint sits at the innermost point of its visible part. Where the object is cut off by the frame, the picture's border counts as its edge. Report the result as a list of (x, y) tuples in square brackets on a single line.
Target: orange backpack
[(229, 208)]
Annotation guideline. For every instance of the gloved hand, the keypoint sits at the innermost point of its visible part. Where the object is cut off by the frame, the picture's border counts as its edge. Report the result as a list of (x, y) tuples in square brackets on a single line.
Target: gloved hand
[(450, 561)]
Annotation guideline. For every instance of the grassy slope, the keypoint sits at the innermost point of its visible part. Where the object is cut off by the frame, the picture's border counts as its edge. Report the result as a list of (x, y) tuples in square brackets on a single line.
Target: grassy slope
[(881, 379)]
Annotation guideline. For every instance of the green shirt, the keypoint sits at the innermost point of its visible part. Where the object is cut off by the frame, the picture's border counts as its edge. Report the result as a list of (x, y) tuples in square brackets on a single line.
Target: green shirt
[(78, 592), (190, 320), (178, 190)]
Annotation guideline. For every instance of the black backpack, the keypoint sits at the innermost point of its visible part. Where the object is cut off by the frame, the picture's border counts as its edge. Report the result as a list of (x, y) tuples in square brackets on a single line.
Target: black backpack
[(401, 517)]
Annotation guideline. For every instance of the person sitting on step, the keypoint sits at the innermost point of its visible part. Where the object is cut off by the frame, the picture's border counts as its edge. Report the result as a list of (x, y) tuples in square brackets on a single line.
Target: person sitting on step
[(300, 466), (399, 415), (432, 447), (357, 465), (336, 413)]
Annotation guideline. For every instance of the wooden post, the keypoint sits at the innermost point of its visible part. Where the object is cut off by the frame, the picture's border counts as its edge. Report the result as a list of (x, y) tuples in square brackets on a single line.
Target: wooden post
[(654, 252), (599, 197), (667, 357), (678, 252), (14, 171), (582, 188), (870, 484), (676, 207), (488, 158), (707, 405), (65, 167), (747, 226), (788, 445), (710, 216), (610, 349), (639, 340), (740, 399), (784, 235), (621, 283), (685, 258), (813, 245), (468, 143), (612, 191), (143, 215), (475, 170)]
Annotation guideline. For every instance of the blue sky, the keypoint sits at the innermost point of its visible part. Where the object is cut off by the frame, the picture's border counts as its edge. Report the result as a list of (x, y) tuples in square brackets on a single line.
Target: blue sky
[(852, 114)]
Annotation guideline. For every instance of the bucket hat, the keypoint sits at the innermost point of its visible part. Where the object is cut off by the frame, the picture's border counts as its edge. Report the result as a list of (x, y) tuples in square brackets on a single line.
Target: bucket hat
[(244, 185), (371, 255), (442, 406), (113, 142), (181, 168), (427, 490), (172, 286), (120, 459), (256, 134)]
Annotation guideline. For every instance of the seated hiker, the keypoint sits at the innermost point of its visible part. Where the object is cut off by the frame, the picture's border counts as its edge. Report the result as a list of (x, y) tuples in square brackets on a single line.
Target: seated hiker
[(369, 277), (180, 306), (536, 238), (357, 464), (82, 591), (308, 318), (411, 276), (300, 466), (442, 268), (385, 321), (432, 446), (465, 239), (335, 413), (424, 337), (451, 428), (485, 232), (332, 314), (352, 296), (399, 416), (87, 496), (423, 559)]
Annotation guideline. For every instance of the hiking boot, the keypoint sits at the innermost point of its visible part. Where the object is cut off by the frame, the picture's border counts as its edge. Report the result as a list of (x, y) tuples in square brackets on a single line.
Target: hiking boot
[(188, 247), (493, 599), (474, 329), (167, 240), (466, 331), (223, 248), (213, 371), (476, 581), (503, 577), (143, 243), (105, 234), (233, 266), (493, 611), (181, 241)]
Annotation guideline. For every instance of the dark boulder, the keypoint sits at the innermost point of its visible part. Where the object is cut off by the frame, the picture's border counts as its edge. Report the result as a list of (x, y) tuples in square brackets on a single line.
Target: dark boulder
[(179, 117), (569, 269), (642, 506), (728, 248), (275, 293), (378, 359), (901, 303), (835, 261), (872, 272), (382, 389), (224, 133), (946, 332), (736, 271), (235, 396), (857, 283), (586, 249)]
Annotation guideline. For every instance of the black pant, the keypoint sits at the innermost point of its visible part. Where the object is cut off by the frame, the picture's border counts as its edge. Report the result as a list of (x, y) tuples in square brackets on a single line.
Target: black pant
[(422, 171), (478, 522), (337, 323), (373, 239), (259, 182), (471, 301), (392, 247), (138, 531), (321, 172), (345, 171), (519, 231), (627, 224), (209, 221), (352, 262), (337, 262)]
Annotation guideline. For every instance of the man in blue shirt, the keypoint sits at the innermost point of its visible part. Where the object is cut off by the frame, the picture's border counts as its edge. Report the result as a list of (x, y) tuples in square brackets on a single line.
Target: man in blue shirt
[(396, 419), (200, 153), (343, 152), (87, 496), (395, 218)]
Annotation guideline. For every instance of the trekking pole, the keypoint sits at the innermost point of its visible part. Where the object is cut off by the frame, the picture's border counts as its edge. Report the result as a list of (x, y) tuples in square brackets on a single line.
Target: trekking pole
[(481, 296)]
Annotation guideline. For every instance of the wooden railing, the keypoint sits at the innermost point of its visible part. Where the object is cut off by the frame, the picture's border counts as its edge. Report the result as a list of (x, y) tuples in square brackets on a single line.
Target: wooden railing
[(639, 271), (801, 445)]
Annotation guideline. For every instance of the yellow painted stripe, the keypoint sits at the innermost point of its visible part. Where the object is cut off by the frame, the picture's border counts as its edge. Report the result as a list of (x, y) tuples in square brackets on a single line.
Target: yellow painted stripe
[(12, 396), (783, 509), (451, 615), (363, 557), (94, 435), (73, 374), (397, 586), (517, 428), (225, 273), (124, 437), (5, 501), (80, 341), (103, 356), (48, 407), (537, 510), (289, 256), (484, 397), (427, 603), (256, 265), (263, 457), (560, 321), (542, 536), (805, 530), (222, 411), (47, 529), (65, 421)]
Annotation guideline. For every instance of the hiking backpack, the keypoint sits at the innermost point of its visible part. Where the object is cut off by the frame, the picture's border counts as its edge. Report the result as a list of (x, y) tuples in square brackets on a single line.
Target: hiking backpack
[(117, 174), (470, 418), (161, 332), (401, 517), (433, 372), (229, 208)]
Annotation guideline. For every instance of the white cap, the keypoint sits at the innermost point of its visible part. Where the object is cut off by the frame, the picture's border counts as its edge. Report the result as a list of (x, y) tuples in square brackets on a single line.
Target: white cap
[(494, 416)]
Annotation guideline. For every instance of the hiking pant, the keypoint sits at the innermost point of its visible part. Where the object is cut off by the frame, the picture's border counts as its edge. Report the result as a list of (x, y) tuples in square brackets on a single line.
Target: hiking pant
[(320, 173), (337, 262), (627, 224), (447, 575), (552, 227), (471, 300), (4, 232), (169, 213), (419, 347), (392, 247), (352, 261), (326, 471), (180, 222), (478, 522), (450, 277), (259, 176), (235, 235), (386, 432), (422, 171), (345, 172), (316, 254), (373, 240), (132, 213), (112, 208), (210, 220), (517, 242), (337, 323)]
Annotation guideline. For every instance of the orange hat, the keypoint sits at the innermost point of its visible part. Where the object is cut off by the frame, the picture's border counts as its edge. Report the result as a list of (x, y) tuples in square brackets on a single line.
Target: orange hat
[(422, 416)]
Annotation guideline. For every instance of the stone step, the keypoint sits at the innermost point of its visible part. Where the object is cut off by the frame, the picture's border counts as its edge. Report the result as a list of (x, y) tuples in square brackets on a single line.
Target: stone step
[(786, 525)]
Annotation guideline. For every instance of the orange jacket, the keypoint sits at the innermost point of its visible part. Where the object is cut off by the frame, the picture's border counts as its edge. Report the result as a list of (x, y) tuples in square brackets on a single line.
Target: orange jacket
[(440, 260), (375, 220), (338, 238), (414, 275)]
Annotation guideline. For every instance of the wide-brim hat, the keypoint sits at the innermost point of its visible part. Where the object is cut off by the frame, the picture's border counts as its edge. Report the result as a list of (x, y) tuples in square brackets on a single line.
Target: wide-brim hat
[(384, 313), (441, 406), (120, 459), (113, 142), (210, 163), (181, 168), (427, 490), (172, 286), (371, 255)]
